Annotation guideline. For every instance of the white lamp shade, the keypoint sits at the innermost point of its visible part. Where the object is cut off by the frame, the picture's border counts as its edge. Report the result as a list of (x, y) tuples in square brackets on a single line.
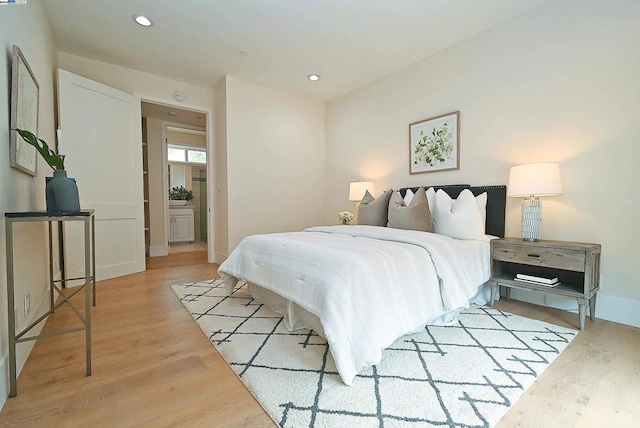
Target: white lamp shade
[(538, 179), (357, 189)]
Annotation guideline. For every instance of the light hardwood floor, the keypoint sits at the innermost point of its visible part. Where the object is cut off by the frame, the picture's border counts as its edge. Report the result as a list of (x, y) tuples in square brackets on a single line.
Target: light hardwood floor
[(152, 366), (187, 247)]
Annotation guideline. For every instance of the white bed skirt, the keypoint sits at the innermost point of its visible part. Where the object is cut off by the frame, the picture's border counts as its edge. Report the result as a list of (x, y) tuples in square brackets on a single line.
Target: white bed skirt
[(296, 317)]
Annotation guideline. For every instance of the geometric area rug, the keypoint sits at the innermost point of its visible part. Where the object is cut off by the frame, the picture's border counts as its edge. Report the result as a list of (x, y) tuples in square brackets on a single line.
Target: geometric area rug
[(466, 374)]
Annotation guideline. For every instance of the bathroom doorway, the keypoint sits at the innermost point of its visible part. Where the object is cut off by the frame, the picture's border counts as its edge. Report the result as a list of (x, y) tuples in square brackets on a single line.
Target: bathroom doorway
[(175, 146)]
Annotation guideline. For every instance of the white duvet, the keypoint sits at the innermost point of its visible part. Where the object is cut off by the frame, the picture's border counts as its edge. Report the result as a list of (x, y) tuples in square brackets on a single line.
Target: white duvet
[(368, 285)]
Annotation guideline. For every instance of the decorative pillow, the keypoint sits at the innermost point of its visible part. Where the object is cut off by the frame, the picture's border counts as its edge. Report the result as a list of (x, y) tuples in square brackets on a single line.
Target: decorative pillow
[(458, 218), (415, 216), (373, 212), (481, 201), (407, 196), (431, 197)]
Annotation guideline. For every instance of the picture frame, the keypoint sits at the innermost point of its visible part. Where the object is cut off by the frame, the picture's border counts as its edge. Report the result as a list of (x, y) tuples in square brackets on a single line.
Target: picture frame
[(25, 100), (434, 144)]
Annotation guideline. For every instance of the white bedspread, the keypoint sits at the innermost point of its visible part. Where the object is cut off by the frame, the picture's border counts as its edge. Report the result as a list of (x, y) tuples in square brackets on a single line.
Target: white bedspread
[(368, 285)]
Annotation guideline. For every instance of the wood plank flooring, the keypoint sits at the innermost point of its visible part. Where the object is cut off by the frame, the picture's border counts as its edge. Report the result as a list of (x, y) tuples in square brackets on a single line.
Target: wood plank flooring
[(152, 366)]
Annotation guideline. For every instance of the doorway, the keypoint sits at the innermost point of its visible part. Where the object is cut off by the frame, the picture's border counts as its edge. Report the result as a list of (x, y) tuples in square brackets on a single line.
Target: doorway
[(176, 225)]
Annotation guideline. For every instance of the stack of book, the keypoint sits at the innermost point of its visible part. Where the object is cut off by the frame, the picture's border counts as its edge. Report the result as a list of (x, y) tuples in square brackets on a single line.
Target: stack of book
[(539, 280)]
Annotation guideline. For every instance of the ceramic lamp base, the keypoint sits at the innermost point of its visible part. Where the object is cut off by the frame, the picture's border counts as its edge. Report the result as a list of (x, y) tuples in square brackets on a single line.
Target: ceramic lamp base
[(531, 219)]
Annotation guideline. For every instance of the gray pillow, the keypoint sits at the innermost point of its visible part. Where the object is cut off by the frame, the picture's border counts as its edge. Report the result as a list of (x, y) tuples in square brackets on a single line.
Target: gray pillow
[(415, 216), (373, 212)]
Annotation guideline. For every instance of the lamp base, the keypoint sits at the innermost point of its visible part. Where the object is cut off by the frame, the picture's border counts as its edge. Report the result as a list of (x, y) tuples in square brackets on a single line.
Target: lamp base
[(531, 219)]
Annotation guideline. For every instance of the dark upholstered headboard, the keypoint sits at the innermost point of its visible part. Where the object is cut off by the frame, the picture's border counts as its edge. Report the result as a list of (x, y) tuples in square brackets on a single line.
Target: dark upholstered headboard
[(496, 203)]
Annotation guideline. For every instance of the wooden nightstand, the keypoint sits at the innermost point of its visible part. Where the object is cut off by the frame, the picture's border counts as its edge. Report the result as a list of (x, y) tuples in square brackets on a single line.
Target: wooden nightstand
[(576, 264)]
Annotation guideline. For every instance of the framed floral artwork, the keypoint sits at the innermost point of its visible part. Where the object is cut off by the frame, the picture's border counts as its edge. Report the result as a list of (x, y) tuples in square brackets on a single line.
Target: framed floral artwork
[(434, 144)]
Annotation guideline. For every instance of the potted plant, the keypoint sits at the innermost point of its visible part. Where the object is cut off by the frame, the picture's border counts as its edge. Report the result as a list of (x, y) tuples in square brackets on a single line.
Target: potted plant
[(179, 196), (61, 192)]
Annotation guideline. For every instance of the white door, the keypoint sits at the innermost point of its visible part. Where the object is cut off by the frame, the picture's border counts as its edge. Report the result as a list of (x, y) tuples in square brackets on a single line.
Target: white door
[(101, 138)]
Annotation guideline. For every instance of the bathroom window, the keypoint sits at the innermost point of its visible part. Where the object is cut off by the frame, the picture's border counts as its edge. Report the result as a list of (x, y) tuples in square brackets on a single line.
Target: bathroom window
[(185, 154), (196, 156)]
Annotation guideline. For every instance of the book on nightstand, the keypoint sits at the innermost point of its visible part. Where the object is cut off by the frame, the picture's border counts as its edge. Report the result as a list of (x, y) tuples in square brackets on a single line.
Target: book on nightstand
[(544, 284), (538, 279)]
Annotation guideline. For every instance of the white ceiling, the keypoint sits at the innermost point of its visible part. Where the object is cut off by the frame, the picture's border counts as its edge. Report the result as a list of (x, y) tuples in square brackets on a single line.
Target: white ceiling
[(350, 43)]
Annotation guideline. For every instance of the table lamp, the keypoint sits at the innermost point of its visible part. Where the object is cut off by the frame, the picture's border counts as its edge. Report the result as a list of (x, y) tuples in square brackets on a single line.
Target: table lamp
[(532, 181)]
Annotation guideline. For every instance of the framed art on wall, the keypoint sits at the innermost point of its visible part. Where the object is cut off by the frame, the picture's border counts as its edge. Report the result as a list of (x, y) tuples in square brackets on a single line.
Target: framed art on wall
[(434, 144), (24, 112)]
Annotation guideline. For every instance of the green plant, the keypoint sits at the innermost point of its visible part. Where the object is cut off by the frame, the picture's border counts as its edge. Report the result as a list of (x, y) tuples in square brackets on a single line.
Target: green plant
[(55, 161), (179, 193)]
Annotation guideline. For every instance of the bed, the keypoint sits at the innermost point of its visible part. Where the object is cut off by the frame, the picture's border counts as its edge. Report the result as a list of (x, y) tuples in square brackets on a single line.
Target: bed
[(362, 287)]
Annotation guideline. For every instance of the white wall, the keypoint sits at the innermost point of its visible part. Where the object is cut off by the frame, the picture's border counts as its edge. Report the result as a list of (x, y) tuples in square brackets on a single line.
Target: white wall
[(27, 27), (559, 83), (275, 160)]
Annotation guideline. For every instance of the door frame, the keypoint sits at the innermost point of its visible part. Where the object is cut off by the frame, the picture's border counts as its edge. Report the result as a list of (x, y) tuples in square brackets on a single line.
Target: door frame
[(208, 112)]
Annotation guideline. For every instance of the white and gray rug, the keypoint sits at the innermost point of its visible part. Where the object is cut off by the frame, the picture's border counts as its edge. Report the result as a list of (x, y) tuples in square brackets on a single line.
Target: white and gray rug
[(462, 375)]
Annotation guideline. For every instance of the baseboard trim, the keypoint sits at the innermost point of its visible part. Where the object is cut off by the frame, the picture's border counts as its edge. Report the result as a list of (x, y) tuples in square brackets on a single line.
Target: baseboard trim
[(619, 310), (623, 311), (158, 250)]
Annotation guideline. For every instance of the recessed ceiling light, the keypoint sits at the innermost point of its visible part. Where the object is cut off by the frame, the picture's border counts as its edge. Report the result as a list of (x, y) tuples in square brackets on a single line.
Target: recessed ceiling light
[(313, 77), (142, 20), (243, 53)]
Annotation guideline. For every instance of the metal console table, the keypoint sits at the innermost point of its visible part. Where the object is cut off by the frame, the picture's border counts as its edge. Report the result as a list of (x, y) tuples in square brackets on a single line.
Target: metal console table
[(85, 216)]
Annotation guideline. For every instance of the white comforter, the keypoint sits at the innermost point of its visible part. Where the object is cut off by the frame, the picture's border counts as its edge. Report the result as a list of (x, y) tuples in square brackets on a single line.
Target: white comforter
[(368, 285)]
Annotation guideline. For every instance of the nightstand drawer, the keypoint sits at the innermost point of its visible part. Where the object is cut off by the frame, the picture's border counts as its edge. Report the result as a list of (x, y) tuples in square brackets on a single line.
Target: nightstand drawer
[(558, 258)]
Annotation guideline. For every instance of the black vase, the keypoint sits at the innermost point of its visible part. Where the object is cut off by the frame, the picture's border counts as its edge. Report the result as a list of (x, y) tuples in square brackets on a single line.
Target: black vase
[(62, 194)]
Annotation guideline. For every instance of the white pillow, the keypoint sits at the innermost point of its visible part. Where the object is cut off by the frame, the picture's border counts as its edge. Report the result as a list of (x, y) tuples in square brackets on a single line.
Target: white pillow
[(408, 197), (481, 200), (458, 218), (431, 198)]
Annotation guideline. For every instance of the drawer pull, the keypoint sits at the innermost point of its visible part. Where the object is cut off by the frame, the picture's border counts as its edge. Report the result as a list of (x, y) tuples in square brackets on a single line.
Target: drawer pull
[(533, 255)]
